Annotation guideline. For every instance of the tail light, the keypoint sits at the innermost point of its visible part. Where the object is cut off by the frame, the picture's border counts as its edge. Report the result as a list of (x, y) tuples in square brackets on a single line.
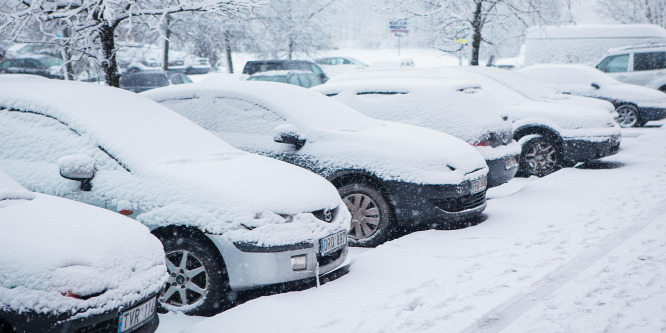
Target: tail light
[(481, 144)]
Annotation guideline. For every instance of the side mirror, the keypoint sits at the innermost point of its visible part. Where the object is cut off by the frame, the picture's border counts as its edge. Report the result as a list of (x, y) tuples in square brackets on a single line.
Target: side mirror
[(78, 167), (289, 134), (595, 85)]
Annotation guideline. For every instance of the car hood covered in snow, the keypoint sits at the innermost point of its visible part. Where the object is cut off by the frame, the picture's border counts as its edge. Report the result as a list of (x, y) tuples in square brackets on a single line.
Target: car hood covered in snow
[(61, 256), (175, 172), (339, 137)]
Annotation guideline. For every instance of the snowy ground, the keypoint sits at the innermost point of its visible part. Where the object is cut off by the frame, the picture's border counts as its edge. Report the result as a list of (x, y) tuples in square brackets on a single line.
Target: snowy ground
[(582, 250)]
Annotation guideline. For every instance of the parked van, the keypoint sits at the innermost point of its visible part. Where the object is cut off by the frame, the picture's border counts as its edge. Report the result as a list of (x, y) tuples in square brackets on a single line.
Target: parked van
[(585, 43), (643, 65)]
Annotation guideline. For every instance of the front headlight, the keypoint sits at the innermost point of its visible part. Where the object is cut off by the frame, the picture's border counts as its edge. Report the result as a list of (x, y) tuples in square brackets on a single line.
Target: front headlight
[(326, 215)]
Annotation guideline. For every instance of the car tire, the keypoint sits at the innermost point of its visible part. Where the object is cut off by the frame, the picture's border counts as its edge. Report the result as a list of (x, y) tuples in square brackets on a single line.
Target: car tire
[(628, 116), (539, 157), (372, 222), (196, 273), (663, 89)]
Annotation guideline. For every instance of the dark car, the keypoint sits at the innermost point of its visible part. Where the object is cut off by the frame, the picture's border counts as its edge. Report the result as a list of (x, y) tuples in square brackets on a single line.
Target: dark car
[(257, 66), (304, 79), (46, 66)]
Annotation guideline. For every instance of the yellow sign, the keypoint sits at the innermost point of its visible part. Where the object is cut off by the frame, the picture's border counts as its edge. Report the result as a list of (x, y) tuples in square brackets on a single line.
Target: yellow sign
[(460, 40)]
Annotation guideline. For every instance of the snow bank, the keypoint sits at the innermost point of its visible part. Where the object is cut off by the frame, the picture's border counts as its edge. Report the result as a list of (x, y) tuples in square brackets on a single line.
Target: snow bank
[(52, 247), (338, 137)]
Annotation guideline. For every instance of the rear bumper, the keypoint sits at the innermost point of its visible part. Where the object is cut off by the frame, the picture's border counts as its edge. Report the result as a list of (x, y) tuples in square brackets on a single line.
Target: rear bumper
[(30, 322), (252, 267), (648, 114), (500, 170), (440, 204), (580, 150)]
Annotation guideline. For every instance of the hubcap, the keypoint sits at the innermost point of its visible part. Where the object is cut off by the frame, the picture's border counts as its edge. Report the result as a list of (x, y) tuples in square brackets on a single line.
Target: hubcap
[(541, 157), (188, 279), (365, 215), (627, 116)]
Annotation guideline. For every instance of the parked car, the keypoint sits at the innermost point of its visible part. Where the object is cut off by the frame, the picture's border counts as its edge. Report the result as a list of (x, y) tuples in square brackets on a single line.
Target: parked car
[(257, 66), (388, 174), (46, 66), (304, 79), (456, 107), (337, 65), (228, 220), (142, 81), (636, 105), (143, 65), (71, 267), (644, 65), (197, 66), (553, 134)]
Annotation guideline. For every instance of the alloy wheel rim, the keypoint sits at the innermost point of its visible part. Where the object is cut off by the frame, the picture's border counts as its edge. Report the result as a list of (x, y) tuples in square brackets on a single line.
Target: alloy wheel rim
[(541, 157), (365, 215), (627, 117), (188, 280)]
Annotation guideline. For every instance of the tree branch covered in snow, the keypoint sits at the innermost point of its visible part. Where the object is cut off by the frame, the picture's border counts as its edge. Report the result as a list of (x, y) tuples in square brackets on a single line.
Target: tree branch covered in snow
[(635, 11), (89, 26)]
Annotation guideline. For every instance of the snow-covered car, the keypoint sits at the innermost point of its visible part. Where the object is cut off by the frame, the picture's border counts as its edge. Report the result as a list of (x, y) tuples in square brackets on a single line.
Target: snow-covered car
[(142, 81), (636, 105), (338, 65), (143, 65), (72, 267), (256, 66), (553, 134), (388, 174), (643, 65), (197, 66), (455, 107), (229, 220), (304, 79)]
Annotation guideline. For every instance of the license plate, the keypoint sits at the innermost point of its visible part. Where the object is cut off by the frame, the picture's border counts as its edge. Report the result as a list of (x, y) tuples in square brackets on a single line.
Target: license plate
[(333, 242), (478, 185), (136, 316), (510, 162)]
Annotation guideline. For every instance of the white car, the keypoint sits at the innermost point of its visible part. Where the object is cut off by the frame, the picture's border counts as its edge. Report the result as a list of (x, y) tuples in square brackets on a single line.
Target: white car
[(388, 174), (636, 105), (552, 134), (72, 267), (228, 220), (338, 65), (644, 65), (455, 107)]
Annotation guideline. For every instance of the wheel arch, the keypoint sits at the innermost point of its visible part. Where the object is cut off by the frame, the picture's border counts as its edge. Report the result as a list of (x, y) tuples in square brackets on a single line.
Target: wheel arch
[(176, 230), (5, 326), (539, 130), (344, 177)]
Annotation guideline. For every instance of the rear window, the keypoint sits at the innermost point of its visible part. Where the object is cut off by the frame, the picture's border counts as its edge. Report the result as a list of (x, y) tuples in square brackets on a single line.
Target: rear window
[(144, 80), (649, 61)]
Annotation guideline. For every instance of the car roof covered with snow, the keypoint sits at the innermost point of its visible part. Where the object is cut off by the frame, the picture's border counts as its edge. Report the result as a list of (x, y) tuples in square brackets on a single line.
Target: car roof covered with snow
[(53, 247)]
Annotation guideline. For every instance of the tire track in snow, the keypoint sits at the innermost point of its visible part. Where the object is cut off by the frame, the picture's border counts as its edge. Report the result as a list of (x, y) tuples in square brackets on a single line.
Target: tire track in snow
[(506, 313)]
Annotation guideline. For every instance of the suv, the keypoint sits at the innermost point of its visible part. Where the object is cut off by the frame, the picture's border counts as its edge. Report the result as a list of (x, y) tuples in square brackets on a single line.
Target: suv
[(642, 65), (252, 67)]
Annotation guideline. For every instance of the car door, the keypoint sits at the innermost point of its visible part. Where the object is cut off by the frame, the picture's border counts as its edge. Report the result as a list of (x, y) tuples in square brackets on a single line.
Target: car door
[(31, 145), (616, 66), (647, 66), (572, 81)]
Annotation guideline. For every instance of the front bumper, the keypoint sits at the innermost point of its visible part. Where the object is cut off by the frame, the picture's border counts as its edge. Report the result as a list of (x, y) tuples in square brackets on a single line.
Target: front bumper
[(250, 266), (30, 321), (582, 150), (652, 113), (440, 204)]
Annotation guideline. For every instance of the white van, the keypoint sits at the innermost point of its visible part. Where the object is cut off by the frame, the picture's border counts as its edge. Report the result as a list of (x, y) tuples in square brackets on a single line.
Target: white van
[(585, 43), (643, 65)]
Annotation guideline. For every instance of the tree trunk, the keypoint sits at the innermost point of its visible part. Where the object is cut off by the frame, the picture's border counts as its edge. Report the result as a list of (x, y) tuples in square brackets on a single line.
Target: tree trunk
[(67, 55), (477, 24), (227, 42), (109, 65), (167, 34), (291, 49)]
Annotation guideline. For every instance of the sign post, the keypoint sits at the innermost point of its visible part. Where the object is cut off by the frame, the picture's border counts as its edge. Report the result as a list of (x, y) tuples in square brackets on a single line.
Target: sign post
[(398, 27)]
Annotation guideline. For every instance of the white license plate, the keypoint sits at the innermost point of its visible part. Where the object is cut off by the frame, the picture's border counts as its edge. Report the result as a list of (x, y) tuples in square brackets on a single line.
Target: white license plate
[(510, 162), (478, 185), (136, 316), (333, 242)]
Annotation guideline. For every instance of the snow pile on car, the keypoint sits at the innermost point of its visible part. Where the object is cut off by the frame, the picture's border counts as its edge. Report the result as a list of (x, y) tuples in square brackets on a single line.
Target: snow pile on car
[(60, 255)]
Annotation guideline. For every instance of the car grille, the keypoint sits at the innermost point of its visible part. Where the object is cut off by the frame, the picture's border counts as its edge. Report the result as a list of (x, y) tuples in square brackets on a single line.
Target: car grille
[(329, 258), (107, 326), (453, 205)]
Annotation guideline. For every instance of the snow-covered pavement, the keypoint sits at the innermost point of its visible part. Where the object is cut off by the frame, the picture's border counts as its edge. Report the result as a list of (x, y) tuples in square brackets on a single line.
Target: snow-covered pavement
[(582, 250)]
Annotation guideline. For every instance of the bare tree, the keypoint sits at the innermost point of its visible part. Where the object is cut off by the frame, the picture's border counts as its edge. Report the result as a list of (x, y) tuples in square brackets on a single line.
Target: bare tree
[(93, 23), (450, 24), (635, 11)]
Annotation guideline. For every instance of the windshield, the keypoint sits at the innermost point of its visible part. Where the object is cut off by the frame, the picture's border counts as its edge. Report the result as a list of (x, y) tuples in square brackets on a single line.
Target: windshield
[(269, 78)]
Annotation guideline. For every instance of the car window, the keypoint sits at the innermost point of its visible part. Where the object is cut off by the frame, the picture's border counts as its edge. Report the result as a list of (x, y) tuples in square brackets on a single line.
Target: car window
[(31, 144), (346, 62), (649, 61), (294, 79), (315, 69), (144, 80), (32, 63), (308, 80), (614, 64)]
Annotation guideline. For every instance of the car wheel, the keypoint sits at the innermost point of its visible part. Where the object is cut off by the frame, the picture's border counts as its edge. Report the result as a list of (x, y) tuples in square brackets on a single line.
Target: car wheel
[(539, 157), (198, 282), (371, 216), (663, 89), (628, 116)]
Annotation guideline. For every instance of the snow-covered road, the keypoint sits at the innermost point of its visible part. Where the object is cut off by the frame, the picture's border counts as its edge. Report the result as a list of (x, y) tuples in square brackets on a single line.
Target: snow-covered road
[(582, 250)]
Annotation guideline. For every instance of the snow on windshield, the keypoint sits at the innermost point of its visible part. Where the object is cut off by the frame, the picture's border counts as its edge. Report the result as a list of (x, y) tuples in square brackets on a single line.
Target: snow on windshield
[(522, 84)]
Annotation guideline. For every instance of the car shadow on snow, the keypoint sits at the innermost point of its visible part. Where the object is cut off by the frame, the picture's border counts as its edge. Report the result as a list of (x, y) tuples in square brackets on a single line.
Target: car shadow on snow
[(405, 230), (600, 165)]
